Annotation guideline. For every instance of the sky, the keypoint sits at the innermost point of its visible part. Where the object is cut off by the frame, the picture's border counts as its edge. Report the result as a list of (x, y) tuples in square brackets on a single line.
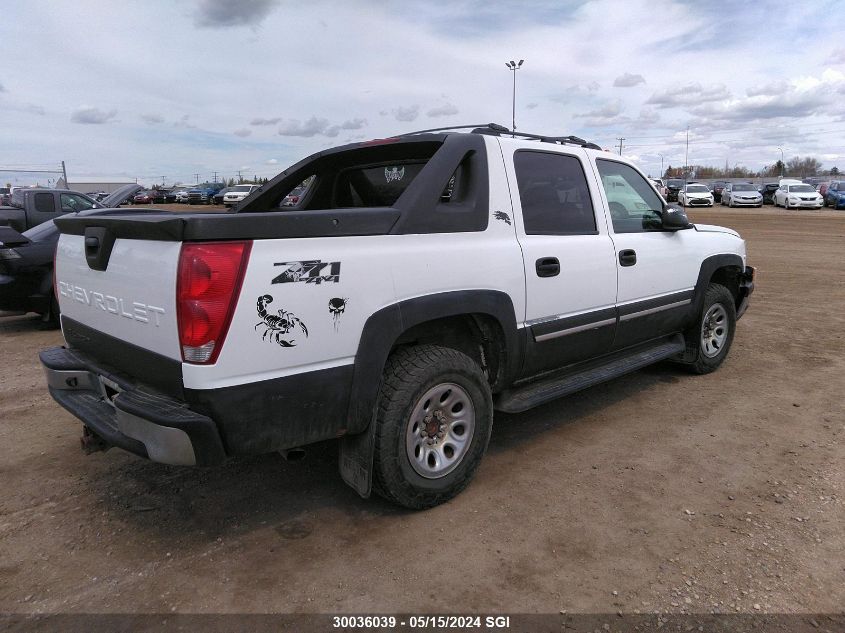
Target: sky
[(184, 89)]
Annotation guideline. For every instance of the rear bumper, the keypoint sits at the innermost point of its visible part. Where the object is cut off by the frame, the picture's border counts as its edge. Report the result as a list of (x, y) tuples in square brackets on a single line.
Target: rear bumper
[(130, 416)]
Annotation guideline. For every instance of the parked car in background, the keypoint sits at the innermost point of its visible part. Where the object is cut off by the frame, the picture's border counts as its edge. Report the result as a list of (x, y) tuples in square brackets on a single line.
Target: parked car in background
[(204, 193), (26, 265), (149, 196), (835, 195), (237, 193), (695, 194), (5, 195), (217, 198), (717, 188), (178, 194), (822, 187), (673, 186), (293, 198), (741, 194), (767, 191), (659, 185), (30, 207), (799, 195)]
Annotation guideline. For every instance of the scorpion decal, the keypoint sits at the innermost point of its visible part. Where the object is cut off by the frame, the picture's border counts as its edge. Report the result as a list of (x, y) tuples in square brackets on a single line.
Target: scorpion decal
[(278, 325)]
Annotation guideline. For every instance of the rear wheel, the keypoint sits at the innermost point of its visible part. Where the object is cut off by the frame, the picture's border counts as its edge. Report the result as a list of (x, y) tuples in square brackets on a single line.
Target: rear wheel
[(712, 336), (434, 417)]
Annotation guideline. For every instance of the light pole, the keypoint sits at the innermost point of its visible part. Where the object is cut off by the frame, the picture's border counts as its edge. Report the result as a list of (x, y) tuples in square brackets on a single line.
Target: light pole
[(512, 65), (782, 166), (661, 165)]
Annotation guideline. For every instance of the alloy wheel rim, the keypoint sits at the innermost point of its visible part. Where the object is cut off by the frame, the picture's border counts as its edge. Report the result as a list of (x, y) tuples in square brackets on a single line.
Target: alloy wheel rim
[(440, 430)]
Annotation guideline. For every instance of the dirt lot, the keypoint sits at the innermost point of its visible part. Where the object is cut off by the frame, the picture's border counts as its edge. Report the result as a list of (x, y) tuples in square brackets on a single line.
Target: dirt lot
[(660, 491)]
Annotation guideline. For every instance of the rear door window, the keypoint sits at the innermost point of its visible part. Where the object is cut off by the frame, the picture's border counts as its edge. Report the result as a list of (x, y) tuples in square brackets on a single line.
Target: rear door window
[(45, 203), (554, 194)]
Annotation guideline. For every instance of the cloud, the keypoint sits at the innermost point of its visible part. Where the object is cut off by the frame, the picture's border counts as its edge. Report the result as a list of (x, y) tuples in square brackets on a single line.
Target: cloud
[(406, 114), (446, 109), (152, 119), (261, 121), (184, 123), (243, 132), (34, 109), (353, 124), (779, 87), (610, 111), (92, 116), (311, 127), (3, 88), (225, 13), (628, 81), (272, 161), (691, 94), (836, 57), (532, 105)]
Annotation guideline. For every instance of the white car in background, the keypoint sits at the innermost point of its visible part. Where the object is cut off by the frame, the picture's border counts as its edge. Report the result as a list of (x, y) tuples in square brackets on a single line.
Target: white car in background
[(238, 193), (741, 194), (795, 195), (658, 184), (695, 194)]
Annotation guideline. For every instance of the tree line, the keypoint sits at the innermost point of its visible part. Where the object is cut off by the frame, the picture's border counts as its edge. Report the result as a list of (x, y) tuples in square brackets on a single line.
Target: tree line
[(797, 166)]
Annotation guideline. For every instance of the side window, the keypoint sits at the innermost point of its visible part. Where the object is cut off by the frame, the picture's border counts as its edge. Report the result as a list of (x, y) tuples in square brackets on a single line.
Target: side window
[(71, 202), (554, 194), (634, 206), (44, 203)]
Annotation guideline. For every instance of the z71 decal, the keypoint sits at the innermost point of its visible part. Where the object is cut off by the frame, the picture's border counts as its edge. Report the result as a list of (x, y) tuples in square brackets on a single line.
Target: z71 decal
[(311, 271), (278, 325)]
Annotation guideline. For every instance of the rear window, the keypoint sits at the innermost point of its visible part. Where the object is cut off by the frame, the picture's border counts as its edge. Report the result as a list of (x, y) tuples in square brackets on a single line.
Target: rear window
[(375, 186)]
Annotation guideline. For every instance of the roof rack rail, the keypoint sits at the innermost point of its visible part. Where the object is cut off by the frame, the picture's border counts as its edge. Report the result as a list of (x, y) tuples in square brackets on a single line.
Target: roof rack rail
[(495, 127), (497, 130)]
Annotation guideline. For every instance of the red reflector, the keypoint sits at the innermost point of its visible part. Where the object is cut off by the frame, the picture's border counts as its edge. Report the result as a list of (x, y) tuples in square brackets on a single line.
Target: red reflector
[(207, 289)]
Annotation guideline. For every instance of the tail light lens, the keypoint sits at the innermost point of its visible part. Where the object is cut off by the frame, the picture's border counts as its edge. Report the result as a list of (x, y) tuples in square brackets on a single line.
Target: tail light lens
[(207, 290)]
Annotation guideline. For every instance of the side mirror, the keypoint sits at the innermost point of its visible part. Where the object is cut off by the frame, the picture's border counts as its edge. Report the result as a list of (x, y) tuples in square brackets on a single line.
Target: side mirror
[(675, 218)]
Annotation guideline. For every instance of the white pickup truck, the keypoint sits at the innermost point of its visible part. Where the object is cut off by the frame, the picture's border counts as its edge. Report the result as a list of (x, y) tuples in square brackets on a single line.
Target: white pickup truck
[(420, 283)]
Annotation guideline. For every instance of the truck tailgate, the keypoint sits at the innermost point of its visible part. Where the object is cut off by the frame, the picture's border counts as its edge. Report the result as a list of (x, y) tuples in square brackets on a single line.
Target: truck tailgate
[(133, 299)]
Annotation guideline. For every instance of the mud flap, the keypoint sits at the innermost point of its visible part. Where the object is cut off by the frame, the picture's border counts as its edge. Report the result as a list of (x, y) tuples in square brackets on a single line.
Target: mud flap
[(355, 460)]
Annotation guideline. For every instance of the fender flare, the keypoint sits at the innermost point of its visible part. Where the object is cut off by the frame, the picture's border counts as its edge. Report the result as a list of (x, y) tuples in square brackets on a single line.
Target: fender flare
[(708, 267), (380, 332)]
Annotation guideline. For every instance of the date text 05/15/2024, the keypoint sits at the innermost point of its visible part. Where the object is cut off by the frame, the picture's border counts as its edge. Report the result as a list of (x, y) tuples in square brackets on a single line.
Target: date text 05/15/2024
[(421, 622)]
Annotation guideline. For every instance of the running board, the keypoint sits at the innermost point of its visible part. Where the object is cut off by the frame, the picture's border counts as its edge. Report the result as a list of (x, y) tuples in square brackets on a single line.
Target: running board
[(547, 389)]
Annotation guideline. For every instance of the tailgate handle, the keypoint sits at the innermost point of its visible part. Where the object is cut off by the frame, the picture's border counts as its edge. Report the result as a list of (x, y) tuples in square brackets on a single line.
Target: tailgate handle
[(98, 244)]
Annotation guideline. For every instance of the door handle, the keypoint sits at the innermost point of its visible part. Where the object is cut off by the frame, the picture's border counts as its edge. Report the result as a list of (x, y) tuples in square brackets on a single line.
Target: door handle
[(548, 267), (628, 257)]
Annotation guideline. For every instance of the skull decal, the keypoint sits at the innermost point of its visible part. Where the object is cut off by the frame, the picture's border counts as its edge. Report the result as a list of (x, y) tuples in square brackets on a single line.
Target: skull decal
[(337, 306)]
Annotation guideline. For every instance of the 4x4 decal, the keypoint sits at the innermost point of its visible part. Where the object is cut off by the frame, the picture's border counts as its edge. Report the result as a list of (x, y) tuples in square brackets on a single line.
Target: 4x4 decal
[(311, 271)]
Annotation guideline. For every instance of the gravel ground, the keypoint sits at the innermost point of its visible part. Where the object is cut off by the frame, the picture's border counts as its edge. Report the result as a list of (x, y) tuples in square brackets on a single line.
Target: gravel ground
[(657, 492)]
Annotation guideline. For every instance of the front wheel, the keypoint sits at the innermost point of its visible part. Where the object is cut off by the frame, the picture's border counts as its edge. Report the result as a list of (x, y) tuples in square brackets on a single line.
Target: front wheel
[(711, 338), (433, 423)]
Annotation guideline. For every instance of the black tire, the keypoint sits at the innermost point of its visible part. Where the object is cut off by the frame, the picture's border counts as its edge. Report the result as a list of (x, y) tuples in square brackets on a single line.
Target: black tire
[(410, 374), (716, 296)]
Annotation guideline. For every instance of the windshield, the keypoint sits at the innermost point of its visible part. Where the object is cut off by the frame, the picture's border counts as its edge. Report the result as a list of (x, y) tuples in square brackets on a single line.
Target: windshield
[(744, 188), (675, 183), (241, 188), (697, 189), (802, 189)]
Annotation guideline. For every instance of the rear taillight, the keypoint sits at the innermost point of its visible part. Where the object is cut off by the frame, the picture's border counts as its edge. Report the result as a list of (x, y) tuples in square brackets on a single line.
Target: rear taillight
[(207, 289)]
